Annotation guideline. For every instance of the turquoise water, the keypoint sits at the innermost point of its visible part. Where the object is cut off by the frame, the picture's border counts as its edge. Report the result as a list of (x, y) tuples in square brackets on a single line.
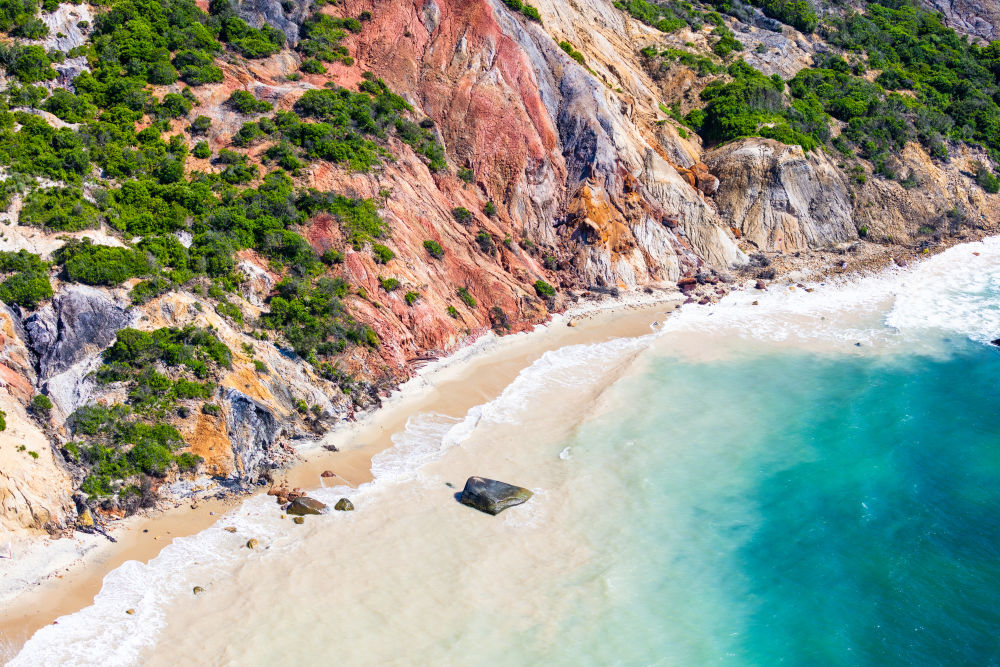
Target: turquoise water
[(746, 487), (798, 508)]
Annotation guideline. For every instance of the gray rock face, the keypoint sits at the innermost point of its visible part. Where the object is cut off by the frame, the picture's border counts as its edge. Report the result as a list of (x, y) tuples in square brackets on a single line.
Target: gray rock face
[(622, 177), (253, 431), (781, 198), (491, 496), (80, 322), (306, 505), (975, 17), (271, 12)]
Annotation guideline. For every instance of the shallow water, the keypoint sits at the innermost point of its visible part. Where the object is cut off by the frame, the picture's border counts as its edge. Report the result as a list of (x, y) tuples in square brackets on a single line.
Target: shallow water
[(749, 486)]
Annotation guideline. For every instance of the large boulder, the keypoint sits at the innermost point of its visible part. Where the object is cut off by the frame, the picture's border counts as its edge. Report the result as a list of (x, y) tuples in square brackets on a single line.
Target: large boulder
[(491, 496), (305, 505)]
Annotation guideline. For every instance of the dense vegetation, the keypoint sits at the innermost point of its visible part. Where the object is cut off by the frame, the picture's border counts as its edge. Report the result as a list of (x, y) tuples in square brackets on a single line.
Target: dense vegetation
[(751, 104), (313, 318), (119, 443), (932, 85), (27, 279)]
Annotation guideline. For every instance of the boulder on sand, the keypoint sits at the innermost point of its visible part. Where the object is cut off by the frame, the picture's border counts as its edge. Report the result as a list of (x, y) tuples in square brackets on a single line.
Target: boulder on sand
[(491, 496), (344, 505), (305, 505)]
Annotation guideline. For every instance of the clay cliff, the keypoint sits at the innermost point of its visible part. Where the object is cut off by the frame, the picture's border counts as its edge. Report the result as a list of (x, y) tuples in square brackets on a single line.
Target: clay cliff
[(573, 179)]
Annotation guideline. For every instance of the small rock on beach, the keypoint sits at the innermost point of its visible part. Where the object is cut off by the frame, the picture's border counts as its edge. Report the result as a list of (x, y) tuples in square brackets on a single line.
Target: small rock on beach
[(344, 505), (305, 505)]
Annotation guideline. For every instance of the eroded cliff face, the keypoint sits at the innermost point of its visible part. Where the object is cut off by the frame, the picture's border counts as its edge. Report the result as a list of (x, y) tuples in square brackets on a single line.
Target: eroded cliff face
[(779, 198), (973, 17), (594, 185)]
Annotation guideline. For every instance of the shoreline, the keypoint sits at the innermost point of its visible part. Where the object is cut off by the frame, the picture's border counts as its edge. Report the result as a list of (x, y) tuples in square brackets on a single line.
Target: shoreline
[(471, 376), (487, 365)]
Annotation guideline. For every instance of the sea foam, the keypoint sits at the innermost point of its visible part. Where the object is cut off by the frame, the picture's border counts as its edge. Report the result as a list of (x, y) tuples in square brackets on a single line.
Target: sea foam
[(103, 634)]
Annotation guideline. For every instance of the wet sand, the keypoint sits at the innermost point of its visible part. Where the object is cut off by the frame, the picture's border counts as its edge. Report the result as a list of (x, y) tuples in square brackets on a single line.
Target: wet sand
[(451, 387)]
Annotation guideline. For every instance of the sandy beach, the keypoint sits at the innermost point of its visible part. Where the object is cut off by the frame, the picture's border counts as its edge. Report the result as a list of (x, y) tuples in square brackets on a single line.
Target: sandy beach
[(452, 386)]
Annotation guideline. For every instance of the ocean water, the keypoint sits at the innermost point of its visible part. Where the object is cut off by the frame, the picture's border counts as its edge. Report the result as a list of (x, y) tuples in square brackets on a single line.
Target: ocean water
[(811, 480)]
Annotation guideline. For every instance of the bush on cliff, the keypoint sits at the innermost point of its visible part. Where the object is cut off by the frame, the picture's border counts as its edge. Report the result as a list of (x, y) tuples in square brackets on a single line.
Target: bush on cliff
[(28, 285), (58, 209), (84, 262)]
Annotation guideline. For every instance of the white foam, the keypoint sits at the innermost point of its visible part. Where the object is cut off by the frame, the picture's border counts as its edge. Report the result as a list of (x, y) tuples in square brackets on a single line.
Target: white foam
[(956, 291), (103, 634)]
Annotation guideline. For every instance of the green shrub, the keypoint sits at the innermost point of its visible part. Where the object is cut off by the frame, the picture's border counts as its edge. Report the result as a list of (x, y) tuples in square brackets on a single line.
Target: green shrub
[(485, 243), (29, 64), (188, 462), (986, 179), (200, 125), (571, 52), (347, 119), (312, 66), (211, 409), (453, 312), (359, 219), (489, 209), (41, 405), (58, 209), (466, 175), (28, 285), (531, 13), (664, 16), (69, 107), (201, 150), (382, 253), (173, 106), (332, 256), (321, 37), (84, 262), (313, 319), (434, 248), (244, 102), (466, 297), (411, 298), (388, 284), (3, 420), (543, 289), (462, 214)]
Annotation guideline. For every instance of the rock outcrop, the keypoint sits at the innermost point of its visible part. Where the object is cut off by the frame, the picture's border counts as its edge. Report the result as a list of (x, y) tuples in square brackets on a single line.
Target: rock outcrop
[(344, 505), (253, 432), (975, 17), (286, 16), (80, 322), (781, 198), (491, 496)]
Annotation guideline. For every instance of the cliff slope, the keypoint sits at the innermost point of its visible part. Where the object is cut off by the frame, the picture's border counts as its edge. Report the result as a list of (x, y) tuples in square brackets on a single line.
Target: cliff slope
[(230, 226)]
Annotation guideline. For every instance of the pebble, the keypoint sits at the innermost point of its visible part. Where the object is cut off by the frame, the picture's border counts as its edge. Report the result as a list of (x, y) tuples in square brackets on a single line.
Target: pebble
[(130, 611), (252, 543), (230, 529), (197, 590), (299, 520)]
